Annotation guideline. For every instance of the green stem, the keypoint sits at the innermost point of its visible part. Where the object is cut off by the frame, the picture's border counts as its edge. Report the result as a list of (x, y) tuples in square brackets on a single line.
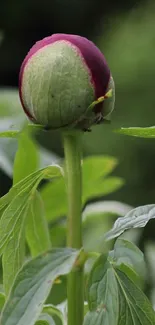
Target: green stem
[(75, 285)]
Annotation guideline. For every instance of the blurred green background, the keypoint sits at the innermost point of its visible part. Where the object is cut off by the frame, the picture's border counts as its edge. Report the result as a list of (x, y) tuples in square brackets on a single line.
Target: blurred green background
[(126, 35)]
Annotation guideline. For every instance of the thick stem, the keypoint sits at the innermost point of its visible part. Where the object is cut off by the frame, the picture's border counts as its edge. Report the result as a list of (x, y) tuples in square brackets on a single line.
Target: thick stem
[(75, 285)]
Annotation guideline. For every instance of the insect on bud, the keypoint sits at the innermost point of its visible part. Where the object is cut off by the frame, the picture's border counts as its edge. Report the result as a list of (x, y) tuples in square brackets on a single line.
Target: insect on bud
[(65, 82)]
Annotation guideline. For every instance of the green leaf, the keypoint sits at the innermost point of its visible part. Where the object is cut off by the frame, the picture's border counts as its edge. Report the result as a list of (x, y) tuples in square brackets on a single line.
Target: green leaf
[(51, 171), (4, 200), (58, 234), (136, 218), (45, 319), (86, 308), (150, 260), (14, 203), (2, 300), (13, 250), (26, 159), (37, 233), (9, 134), (37, 229), (13, 258), (28, 182), (114, 299), (94, 185), (148, 132), (129, 254), (54, 310), (11, 217), (33, 284), (52, 194), (101, 187), (8, 148), (35, 127), (94, 230), (23, 185), (135, 307), (103, 294), (114, 207), (98, 217), (12, 222), (95, 167)]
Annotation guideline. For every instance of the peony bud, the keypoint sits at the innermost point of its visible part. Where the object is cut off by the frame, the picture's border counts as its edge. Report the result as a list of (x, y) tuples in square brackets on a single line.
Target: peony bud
[(64, 82)]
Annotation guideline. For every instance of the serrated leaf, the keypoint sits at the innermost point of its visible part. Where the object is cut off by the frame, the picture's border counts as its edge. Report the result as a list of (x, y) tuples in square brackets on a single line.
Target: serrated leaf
[(33, 284), (45, 319), (114, 299), (136, 218), (37, 233), (148, 132), (26, 159)]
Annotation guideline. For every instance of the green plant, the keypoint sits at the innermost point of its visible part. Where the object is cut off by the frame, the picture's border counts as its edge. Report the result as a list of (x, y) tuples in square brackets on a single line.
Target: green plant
[(94, 280), (27, 209)]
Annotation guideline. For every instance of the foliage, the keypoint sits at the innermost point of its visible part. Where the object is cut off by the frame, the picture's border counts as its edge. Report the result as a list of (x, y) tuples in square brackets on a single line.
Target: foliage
[(33, 221), (113, 294)]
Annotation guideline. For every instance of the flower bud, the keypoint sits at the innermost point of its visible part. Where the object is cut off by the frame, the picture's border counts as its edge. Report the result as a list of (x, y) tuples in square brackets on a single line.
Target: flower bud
[(63, 82)]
